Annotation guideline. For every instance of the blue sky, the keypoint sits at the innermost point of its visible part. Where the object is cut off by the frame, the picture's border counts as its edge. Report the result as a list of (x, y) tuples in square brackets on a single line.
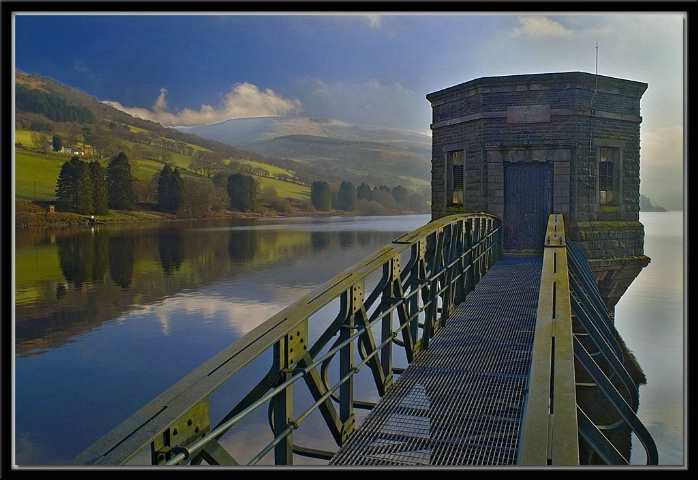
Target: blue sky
[(364, 67)]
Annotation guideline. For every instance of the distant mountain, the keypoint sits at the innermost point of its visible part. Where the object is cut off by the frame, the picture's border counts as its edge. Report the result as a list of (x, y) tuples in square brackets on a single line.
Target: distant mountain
[(314, 149), (647, 206), (48, 103), (332, 149), (248, 131)]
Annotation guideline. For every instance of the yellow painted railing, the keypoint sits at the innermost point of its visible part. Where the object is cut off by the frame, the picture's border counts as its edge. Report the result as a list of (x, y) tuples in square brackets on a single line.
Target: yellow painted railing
[(312, 352), (574, 335), (549, 432)]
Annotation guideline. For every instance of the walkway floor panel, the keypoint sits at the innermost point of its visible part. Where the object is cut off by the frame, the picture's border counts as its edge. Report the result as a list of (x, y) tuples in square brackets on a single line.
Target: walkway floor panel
[(461, 401)]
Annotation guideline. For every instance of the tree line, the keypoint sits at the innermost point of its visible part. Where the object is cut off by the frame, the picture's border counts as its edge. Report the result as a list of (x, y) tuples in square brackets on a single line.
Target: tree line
[(350, 198), (88, 188), (51, 106)]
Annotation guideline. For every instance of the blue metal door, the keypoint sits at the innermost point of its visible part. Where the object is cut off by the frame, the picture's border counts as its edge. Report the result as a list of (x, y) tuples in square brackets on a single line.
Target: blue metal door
[(528, 202)]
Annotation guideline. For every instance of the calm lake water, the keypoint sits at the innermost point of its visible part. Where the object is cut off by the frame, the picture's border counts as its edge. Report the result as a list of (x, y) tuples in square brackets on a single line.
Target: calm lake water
[(651, 318), (107, 318)]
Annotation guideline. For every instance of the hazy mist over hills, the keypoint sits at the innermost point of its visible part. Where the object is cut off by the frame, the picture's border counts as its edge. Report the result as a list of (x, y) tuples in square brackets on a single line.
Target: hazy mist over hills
[(357, 152), (247, 131)]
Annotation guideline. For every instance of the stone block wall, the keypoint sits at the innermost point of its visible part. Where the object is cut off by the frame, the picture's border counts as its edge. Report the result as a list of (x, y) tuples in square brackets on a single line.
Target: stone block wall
[(559, 118)]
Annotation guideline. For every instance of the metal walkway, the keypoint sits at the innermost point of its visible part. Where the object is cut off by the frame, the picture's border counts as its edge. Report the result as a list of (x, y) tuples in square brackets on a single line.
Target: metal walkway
[(469, 412), (496, 347)]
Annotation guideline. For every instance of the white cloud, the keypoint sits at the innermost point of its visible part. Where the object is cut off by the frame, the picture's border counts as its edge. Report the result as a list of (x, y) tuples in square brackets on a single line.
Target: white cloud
[(160, 105), (241, 315), (243, 100), (539, 27), (374, 21)]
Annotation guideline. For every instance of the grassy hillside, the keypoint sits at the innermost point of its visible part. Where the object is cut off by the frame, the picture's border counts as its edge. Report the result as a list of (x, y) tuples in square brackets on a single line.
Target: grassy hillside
[(331, 149), (357, 161), (149, 146), (47, 111), (114, 125), (36, 175)]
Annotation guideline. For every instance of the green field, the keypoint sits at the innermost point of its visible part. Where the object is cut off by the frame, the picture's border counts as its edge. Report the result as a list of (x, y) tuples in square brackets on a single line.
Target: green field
[(272, 169), (35, 175), (283, 189), (24, 137), (286, 189)]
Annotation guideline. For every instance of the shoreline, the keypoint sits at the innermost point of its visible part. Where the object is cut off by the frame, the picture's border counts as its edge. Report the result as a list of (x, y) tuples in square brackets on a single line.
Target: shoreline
[(29, 215)]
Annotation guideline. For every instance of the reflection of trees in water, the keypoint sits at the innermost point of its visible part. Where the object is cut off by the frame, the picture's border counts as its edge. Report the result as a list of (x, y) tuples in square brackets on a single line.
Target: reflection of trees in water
[(121, 259), (320, 240), (171, 249), (243, 245), (347, 239), (365, 239), (30, 237), (83, 257)]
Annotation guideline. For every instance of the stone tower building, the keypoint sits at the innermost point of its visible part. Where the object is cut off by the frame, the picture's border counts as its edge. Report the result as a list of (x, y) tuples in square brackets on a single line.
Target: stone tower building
[(524, 146)]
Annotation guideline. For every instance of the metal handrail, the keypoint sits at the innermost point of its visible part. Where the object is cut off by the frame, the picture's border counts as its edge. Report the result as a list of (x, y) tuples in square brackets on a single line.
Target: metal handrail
[(605, 366), (405, 308), (568, 293), (549, 428)]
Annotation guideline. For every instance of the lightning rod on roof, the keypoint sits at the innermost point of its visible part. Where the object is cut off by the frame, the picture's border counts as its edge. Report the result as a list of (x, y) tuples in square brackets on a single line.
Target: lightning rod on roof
[(597, 58), (597, 67)]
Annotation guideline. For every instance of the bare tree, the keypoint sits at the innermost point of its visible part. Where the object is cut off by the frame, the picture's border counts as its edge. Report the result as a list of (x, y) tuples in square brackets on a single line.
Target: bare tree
[(205, 164), (39, 140)]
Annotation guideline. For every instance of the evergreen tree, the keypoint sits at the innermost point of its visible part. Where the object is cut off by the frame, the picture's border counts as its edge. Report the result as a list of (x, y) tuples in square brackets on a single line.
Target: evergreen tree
[(177, 189), (346, 197), (51, 106), (401, 195), (66, 186), (242, 191), (120, 183), (164, 185), (235, 187), (320, 195), (57, 143), (74, 187), (363, 192), (99, 188), (84, 200)]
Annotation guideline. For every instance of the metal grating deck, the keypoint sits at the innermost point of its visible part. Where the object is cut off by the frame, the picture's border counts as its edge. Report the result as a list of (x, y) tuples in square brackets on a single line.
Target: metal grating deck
[(461, 401)]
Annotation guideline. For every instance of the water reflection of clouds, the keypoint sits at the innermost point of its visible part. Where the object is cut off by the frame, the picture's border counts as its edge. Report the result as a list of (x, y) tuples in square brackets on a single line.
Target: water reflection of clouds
[(651, 318), (239, 315)]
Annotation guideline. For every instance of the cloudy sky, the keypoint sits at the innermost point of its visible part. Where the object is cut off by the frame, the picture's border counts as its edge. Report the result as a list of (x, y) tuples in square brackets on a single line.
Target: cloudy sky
[(368, 68)]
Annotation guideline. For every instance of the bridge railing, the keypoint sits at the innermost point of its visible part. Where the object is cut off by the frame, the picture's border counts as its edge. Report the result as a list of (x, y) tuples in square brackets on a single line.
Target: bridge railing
[(572, 321), (549, 430), (289, 387), (600, 358)]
